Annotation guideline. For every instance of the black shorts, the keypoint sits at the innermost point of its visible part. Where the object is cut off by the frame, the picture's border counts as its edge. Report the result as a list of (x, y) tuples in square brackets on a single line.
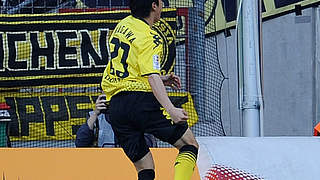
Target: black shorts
[(134, 113)]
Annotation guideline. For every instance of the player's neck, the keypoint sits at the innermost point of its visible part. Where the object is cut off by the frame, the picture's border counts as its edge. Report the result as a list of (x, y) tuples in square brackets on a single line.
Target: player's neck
[(149, 20)]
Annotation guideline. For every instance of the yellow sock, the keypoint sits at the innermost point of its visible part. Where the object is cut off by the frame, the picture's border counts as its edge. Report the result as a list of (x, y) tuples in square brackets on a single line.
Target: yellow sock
[(185, 162)]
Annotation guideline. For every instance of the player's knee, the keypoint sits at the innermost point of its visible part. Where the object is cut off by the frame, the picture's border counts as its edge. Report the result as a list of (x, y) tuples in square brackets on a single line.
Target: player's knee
[(146, 174), (189, 139), (196, 145), (192, 142)]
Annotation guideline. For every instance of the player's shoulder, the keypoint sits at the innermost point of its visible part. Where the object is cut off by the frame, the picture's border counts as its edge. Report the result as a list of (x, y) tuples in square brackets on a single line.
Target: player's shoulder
[(143, 33), (153, 39), (149, 37), (134, 24)]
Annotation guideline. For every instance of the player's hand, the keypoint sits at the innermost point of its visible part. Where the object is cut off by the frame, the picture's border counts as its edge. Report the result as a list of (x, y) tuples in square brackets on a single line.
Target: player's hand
[(178, 115), (100, 104), (171, 80)]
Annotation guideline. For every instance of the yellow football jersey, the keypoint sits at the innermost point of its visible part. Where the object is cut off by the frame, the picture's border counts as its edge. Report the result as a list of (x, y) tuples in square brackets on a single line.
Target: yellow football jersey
[(136, 52)]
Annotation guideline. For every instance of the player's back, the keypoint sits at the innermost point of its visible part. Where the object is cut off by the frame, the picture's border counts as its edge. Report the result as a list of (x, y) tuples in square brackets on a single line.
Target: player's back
[(136, 51)]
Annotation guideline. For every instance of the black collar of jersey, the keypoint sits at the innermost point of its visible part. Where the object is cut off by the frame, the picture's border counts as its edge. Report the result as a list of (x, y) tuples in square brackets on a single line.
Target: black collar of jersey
[(141, 19)]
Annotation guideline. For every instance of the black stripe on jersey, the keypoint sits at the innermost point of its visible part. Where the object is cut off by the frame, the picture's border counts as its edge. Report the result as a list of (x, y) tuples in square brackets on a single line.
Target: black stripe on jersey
[(55, 26), (143, 75), (55, 81)]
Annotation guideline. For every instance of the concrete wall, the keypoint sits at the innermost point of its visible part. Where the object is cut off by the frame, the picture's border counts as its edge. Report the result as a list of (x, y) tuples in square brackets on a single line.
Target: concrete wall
[(291, 75)]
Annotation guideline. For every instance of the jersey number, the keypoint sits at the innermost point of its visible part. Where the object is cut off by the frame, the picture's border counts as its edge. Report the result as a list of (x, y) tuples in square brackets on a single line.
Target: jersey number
[(125, 47)]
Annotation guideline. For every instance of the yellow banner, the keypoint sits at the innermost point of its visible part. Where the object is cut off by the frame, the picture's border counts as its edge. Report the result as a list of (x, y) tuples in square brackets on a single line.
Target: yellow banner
[(68, 48), (57, 116)]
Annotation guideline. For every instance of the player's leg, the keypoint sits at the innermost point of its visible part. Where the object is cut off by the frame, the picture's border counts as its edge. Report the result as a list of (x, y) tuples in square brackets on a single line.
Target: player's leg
[(136, 149), (145, 167), (186, 139), (178, 135), (182, 138), (187, 157), (129, 137)]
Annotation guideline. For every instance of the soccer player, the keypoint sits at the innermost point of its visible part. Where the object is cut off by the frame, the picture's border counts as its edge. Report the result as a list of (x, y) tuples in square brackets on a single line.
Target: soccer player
[(137, 94)]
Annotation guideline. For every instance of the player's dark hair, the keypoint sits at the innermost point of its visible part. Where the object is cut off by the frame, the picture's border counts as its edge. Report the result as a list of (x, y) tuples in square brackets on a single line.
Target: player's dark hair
[(141, 8)]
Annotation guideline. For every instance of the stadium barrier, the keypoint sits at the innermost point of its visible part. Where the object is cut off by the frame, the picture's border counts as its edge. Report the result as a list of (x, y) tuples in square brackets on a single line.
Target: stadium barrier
[(269, 158), (80, 164), (220, 158)]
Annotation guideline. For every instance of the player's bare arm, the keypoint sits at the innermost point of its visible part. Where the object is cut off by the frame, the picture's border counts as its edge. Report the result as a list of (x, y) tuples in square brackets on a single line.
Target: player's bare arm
[(178, 115)]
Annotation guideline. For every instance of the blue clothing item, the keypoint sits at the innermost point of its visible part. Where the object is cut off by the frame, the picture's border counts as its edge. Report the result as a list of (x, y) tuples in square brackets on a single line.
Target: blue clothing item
[(106, 138), (105, 135), (85, 136)]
